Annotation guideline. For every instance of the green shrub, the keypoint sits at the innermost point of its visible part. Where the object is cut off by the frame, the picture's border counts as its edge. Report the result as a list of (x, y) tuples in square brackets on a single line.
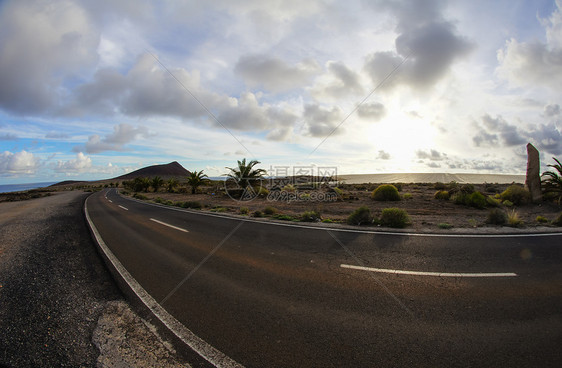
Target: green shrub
[(142, 197), (269, 210), (339, 192), (513, 219), (361, 216), (507, 203), (394, 217), (218, 209), (284, 217), (244, 210), (257, 213), (158, 200), (261, 191), (467, 188), (445, 226), (496, 216), (327, 221), (289, 188), (311, 216), (386, 192), (407, 196), (442, 195), (516, 194), (192, 204), (461, 198), (477, 200), (558, 221), (541, 219), (439, 186), (493, 202)]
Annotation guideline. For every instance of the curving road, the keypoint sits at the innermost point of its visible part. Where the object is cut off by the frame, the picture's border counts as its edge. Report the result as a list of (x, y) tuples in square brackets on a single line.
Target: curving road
[(270, 295)]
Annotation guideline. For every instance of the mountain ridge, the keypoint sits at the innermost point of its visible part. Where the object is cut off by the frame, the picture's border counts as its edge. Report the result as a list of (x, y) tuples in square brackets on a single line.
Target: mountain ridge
[(172, 169)]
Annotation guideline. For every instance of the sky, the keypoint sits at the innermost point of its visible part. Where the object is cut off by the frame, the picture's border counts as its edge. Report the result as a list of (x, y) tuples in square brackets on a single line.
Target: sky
[(93, 90)]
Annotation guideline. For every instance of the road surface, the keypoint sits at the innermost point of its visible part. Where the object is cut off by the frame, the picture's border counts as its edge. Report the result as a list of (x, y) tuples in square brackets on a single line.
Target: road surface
[(271, 295)]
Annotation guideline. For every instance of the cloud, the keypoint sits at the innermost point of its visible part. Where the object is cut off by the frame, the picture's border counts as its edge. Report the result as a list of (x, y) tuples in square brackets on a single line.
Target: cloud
[(80, 164), (552, 110), (116, 141), (321, 121), (56, 135), (497, 130), (19, 163), (8, 137), (535, 62), (339, 82), (431, 44), (432, 155), (274, 74), (371, 111), (42, 46), (383, 155)]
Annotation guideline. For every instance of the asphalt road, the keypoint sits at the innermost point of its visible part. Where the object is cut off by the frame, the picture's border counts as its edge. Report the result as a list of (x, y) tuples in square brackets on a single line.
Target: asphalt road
[(276, 296)]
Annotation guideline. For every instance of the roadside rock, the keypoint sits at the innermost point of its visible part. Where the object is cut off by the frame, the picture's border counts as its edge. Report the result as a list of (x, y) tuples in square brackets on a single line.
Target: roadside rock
[(533, 179)]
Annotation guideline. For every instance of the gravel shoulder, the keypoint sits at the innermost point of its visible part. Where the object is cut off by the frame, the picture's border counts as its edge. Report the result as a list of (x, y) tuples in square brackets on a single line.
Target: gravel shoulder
[(58, 303)]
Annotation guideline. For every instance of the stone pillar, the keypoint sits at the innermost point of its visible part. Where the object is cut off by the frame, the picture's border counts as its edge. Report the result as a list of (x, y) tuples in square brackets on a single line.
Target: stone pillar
[(533, 179)]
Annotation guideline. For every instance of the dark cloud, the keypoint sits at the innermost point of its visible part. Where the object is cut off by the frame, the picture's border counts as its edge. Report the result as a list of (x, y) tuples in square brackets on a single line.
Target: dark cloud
[(432, 155), (552, 110), (275, 74), (322, 121), (382, 155), (431, 43), (498, 131), (116, 141), (343, 82), (372, 111)]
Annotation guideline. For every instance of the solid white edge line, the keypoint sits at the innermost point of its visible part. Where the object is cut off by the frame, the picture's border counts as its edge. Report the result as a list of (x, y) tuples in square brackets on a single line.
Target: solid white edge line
[(200, 346), (270, 223), (171, 226), (438, 274), (125, 208)]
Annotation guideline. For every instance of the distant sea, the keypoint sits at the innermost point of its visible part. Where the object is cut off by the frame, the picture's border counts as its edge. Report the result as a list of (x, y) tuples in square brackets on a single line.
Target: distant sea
[(21, 187), (432, 178)]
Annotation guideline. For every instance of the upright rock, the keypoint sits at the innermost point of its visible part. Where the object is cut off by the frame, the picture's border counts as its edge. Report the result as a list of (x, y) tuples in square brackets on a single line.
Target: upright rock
[(533, 179)]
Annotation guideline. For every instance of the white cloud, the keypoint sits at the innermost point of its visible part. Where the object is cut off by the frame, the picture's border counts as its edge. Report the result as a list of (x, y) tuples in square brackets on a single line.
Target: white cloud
[(116, 141), (80, 164), (19, 163), (322, 121), (534, 62)]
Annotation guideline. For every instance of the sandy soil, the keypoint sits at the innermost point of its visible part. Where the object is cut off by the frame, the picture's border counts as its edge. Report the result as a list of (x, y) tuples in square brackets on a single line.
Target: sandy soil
[(426, 213)]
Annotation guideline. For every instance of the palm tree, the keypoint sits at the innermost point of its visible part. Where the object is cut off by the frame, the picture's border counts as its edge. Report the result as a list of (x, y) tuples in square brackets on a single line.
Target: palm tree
[(553, 182), (245, 175), (156, 183), (172, 184), (196, 179)]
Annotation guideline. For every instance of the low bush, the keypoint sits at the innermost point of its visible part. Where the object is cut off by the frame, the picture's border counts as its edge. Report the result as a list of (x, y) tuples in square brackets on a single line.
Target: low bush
[(361, 216), (158, 200), (460, 198), (386, 192), (493, 202), (269, 210), (442, 195), (142, 197), (507, 203), (477, 200), (407, 196), (244, 210), (311, 216), (496, 216), (394, 217), (218, 209), (284, 217), (541, 220), (467, 188), (262, 192), (445, 226), (327, 221), (516, 194), (513, 219), (439, 186), (558, 221), (192, 204)]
